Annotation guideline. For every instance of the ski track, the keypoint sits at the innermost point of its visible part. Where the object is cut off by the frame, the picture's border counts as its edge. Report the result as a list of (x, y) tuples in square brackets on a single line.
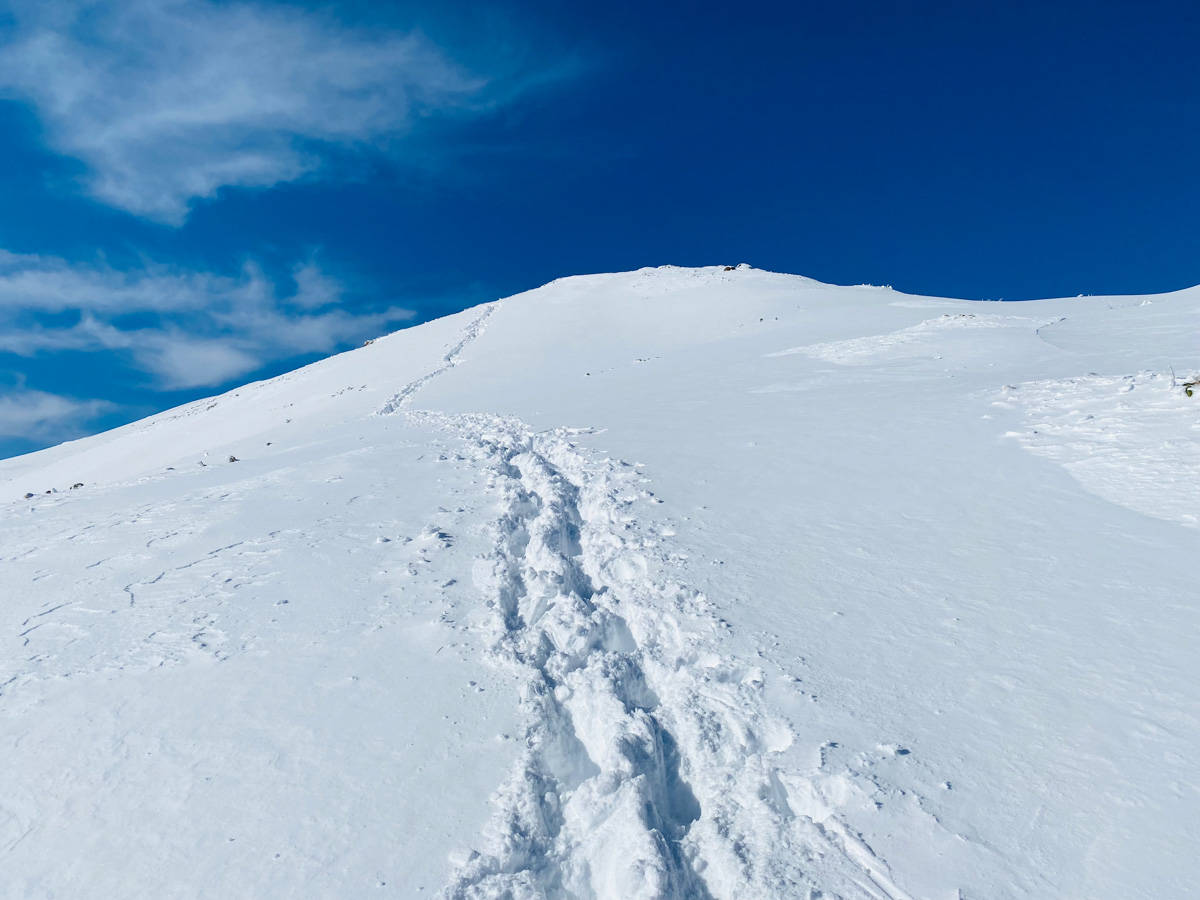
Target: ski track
[(648, 767)]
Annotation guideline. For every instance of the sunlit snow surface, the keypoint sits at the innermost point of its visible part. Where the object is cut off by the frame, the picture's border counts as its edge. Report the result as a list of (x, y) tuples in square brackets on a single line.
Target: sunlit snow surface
[(681, 583)]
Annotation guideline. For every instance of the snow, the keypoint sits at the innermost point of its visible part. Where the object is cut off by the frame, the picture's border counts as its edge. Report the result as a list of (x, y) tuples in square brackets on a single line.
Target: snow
[(1142, 452), (679, 583)]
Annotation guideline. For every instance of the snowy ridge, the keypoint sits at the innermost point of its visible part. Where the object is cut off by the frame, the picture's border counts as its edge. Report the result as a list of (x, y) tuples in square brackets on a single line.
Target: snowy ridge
[(654, 281)]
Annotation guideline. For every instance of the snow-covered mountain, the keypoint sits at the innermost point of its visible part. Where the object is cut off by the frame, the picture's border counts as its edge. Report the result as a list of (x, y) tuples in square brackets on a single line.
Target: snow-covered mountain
[(680, 583)]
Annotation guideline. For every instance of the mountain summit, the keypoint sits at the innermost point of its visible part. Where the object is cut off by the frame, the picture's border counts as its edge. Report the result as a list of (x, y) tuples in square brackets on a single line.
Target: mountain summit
[(677, 583)]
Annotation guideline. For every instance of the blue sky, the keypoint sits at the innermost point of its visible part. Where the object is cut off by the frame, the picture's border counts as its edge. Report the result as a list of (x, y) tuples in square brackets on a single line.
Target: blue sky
[(197, 193)]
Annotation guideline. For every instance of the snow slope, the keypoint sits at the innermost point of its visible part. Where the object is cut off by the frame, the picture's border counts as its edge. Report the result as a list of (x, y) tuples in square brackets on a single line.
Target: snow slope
[(680, 583)]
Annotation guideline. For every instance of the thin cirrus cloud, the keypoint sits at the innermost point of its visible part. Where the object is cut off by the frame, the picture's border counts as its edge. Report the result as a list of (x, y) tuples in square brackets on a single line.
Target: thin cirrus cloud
[(183, 328), (38, 415), (167, 101)]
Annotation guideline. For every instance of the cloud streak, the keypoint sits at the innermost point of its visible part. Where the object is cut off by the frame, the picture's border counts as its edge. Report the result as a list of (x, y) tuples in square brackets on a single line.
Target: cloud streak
[(37, 415), (167, 101), (185, 328)]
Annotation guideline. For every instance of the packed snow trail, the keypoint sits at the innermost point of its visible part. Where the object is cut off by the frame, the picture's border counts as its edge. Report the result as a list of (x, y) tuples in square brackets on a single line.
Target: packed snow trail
[(648, 770), (452, 358)]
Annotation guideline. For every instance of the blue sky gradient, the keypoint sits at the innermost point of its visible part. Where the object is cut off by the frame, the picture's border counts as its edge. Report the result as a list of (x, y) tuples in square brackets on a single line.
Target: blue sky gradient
[(197, 193)]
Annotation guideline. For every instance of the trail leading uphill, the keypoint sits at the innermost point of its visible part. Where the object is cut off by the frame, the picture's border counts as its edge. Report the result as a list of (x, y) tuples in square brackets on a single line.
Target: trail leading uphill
[(648, 765), (682, 583), (614, 668)]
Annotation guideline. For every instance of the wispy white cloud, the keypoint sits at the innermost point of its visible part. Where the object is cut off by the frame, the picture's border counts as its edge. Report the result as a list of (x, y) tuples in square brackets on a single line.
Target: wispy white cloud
[(37, 415), (189, 329), (167, 101)]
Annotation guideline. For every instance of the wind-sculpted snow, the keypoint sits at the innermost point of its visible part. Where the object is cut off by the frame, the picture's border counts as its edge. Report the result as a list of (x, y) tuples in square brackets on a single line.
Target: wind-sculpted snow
[(921, 340), (1131, 439)]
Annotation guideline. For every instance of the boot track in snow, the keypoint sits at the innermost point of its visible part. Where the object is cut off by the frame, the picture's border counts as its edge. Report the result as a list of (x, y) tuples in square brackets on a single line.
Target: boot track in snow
[(452, 358), (647, 765)]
